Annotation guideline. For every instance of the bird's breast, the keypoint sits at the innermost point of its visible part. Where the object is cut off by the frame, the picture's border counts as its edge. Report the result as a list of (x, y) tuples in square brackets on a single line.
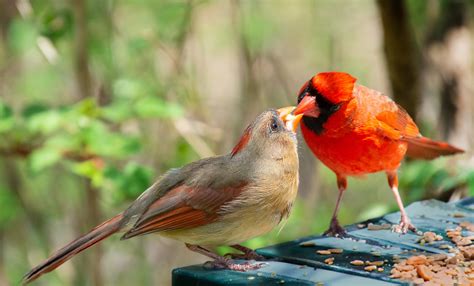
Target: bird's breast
[(255, 211), (355, 153)]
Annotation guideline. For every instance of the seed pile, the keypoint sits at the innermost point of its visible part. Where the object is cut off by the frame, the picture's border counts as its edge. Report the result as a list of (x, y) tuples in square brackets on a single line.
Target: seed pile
[(429, 237), (455, 268), (369, 265)]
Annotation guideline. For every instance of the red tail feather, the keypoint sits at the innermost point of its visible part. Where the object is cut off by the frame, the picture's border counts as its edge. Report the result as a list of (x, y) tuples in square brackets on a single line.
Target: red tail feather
[(97, 234), (425, 148)]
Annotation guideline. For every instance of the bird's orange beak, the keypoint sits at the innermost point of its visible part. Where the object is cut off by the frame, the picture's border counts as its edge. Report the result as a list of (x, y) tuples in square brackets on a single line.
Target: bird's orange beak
[(307, 107), (291, 121)]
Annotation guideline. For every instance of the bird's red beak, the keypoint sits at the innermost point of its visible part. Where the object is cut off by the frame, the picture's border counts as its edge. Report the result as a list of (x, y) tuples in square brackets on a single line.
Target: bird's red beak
[(291, 121), (307, 107)]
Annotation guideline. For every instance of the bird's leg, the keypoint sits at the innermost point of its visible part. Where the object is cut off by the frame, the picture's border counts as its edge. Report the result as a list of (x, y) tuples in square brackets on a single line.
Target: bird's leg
[(335, 229), (405, 223), (221, 262), (248, 253)]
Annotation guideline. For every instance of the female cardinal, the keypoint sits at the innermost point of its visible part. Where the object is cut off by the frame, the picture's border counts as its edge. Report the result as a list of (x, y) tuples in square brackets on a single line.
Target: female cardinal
[(221, 200), (355, 130)]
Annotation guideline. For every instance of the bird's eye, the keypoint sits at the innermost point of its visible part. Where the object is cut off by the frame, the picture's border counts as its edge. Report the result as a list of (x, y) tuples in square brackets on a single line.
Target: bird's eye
[(274, 125)]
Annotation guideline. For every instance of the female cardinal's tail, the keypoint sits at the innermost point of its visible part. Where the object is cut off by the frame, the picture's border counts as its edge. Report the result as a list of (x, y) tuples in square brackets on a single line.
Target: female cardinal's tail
[(425, 148), (97, 234)]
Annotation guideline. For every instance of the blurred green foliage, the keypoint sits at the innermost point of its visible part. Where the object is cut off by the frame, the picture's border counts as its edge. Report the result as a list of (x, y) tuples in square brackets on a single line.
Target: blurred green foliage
[(151, 63), (425, 179), (83, 137)]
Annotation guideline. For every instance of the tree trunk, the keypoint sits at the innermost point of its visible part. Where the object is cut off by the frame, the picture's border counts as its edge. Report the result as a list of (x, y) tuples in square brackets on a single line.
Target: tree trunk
[(402, 56), (91, 266), (250, 99), (448, 48), (7, 12)]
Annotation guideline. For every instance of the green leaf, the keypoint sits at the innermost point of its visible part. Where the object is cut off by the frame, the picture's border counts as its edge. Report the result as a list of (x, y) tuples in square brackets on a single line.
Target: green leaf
[(33, 109), (129, 88), (43, 158), (45, 122), (138, 179), (470, 183), (129, 183), (117, 111), (87, 107), (54, 24), (8, 205), (39, 81), (170, 19), (91, 170), (138, 45), (184, 154), (156, 107), (22, 35), (257, 28), (7, 120), (99, 140)]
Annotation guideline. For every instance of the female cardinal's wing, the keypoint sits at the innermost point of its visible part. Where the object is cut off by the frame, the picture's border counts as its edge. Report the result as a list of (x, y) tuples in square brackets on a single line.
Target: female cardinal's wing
[(184, 207)]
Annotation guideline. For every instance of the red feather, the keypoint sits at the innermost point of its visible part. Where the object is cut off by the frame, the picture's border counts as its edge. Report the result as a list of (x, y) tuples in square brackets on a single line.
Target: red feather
[(335, 86), (425, 148), (96, 235), (244, 140)]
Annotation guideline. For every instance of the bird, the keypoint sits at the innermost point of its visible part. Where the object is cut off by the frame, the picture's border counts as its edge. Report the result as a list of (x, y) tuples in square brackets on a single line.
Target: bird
[(355, 130), (220, 200)]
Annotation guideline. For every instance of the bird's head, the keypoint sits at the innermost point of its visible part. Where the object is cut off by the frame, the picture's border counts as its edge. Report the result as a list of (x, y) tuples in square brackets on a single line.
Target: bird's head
[(271, 133), (324, 93)]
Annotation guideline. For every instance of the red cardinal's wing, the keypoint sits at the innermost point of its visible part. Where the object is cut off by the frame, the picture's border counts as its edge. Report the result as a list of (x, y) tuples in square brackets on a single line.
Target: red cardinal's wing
[(184, 207), (383, 115), (396, 123)]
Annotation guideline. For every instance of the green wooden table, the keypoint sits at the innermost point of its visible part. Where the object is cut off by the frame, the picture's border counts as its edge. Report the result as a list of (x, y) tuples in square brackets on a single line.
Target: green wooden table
[(297, 262)]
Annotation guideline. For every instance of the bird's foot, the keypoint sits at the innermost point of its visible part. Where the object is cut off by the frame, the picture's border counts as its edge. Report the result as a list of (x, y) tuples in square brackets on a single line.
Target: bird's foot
[(335, 229), (251, 255), (226, 263), (404, 226)]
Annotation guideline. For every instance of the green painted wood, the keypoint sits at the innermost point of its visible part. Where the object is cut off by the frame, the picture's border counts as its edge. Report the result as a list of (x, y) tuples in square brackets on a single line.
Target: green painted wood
[(301, 265)]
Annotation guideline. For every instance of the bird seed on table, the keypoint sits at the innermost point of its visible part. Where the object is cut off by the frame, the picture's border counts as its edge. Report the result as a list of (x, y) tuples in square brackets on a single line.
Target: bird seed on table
[(324, 252), (357, 262)]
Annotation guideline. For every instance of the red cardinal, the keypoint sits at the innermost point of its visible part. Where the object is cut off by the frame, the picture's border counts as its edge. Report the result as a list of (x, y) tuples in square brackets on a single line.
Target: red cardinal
[(355, 130), (222, 200)]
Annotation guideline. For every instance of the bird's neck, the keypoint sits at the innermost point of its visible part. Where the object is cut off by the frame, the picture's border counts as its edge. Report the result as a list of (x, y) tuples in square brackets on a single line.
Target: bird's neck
[(326, 109), (333, 120)]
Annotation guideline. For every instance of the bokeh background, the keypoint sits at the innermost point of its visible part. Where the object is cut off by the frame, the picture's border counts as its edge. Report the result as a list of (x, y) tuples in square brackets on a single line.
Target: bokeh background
[(98, 98)]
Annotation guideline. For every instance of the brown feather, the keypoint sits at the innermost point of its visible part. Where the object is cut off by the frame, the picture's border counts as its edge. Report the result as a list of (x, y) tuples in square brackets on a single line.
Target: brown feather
[(184, 207), (180, 218), (96, 235)]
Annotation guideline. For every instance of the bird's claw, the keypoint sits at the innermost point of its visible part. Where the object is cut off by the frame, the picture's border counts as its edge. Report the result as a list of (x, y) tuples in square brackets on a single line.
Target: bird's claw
[(247, 256), (335, 229), (226, 263), (404, 226)]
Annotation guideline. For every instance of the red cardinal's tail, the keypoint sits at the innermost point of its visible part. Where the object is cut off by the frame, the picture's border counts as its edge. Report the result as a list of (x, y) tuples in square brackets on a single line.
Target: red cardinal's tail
[(97, 234), (425, 148)]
